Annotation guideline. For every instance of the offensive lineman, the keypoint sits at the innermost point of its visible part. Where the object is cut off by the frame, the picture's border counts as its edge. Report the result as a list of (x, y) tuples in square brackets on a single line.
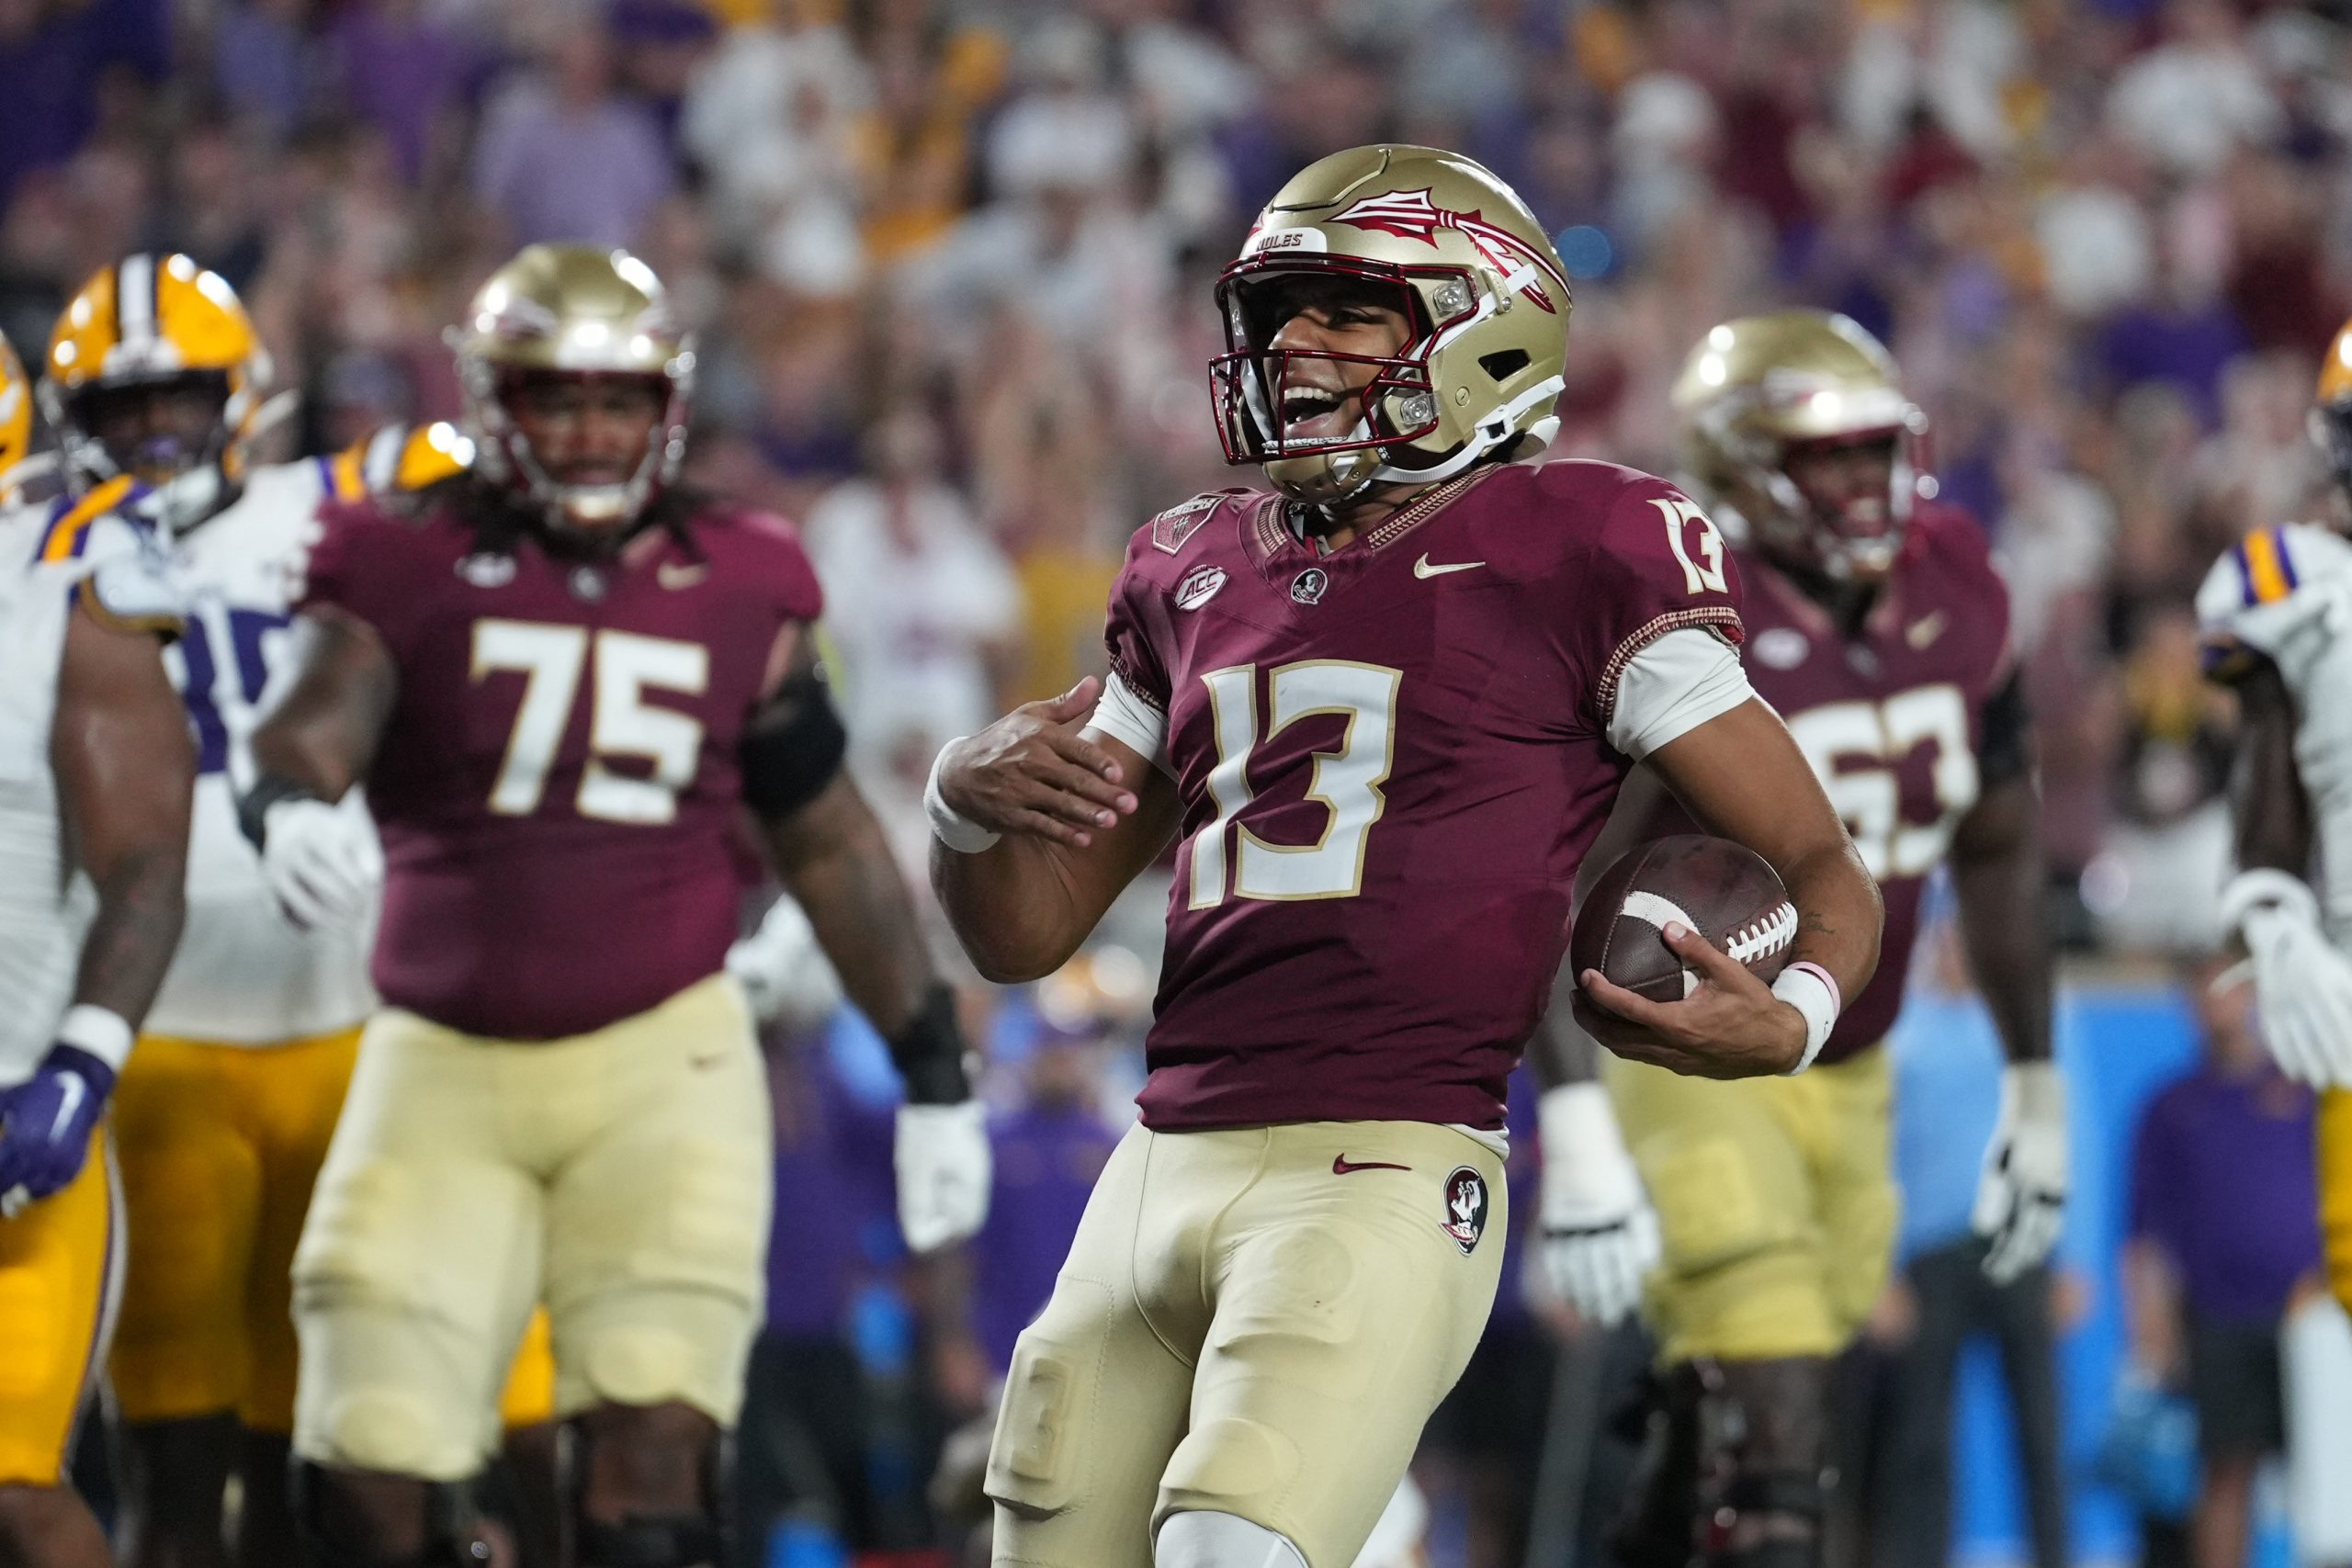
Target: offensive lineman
[(2275, 615), (1878, 629), (155, 379), (96, 770), (562, 678), (1385, 711)]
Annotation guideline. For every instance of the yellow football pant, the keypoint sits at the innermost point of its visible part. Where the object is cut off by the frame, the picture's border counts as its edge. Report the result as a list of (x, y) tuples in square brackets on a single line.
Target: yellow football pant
[(2334, 1159), (60, 1260), (1775, 1203), (221, 1146)]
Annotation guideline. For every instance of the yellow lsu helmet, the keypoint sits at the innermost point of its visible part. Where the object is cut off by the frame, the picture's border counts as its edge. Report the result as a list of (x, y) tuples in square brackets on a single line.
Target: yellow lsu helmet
[(399, 457), (150, 323), (2330, 415), (561, 310), (1473, 272), (1761, 388), (16, 420)]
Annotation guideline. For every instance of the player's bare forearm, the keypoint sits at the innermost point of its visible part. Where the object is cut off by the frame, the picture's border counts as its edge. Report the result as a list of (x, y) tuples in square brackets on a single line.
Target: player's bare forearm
[(1081, 814), (320, 736), (1741, 777), (1997, 879), (2271, 812), (126, 772), (831, 855)]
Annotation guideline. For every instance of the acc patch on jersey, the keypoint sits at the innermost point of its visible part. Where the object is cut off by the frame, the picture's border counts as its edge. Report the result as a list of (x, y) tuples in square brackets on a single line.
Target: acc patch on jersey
[(1199, 587), (1465, 1207)]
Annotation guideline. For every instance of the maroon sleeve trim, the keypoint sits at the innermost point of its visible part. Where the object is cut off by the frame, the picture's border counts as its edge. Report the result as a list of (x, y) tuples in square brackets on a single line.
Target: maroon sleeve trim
[(1721, 617), (1149, 698)]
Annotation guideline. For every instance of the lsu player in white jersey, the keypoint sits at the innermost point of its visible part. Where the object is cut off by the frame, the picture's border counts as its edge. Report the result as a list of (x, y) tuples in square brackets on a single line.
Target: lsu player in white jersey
[(96, 771), (153, 384), (2276, 614)]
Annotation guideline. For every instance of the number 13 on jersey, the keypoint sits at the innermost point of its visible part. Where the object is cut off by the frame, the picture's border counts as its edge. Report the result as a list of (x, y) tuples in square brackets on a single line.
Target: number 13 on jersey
[(1345, 783)]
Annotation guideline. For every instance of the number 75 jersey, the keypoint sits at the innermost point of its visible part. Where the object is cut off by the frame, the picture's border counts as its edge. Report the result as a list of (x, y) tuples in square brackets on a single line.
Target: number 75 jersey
[(1391, 759), (557, 785)]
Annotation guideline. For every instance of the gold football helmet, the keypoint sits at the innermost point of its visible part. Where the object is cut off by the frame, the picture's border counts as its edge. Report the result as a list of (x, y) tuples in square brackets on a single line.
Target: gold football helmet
[(149, 325), (1759, 388), (1473, 274), (571, 311), (15, 422), (2330, 415), (400, 458)]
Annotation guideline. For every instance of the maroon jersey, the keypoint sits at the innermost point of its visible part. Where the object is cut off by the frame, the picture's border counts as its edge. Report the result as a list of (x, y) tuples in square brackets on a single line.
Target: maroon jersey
[(1892, 719), (1391, 759), (557, 785)]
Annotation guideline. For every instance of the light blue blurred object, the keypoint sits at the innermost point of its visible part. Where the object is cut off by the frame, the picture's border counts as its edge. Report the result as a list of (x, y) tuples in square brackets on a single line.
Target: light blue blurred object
[(2149, 1451)]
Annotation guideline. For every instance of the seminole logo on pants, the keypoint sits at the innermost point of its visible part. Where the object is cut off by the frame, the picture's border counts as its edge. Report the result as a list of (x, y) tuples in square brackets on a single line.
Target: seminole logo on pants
[(1465, 1207)]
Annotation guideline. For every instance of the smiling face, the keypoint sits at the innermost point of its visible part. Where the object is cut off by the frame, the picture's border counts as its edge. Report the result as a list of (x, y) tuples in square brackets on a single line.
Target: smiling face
[(1848, 485), (1318, 397)]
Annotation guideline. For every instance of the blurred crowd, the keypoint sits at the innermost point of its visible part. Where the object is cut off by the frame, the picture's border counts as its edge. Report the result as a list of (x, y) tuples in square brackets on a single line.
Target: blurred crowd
[(950, 261), (950, 265)]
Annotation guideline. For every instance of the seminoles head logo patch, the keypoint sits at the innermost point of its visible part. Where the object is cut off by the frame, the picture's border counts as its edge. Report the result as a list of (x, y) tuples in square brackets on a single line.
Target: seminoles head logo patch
[(1465, 1207)]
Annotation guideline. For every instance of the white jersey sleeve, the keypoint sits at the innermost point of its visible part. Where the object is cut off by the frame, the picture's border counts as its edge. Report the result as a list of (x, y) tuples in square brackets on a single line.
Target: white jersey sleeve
[(1127, 718), (2285, 595), (1672, 686), (2282, 594)]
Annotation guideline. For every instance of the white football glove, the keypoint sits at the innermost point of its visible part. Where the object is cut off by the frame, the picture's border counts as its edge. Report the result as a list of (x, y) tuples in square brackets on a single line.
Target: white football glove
[(2302, 985), (1600, 1234), (2022, 1197), (945, 1171), (322, 862), (785, 974)]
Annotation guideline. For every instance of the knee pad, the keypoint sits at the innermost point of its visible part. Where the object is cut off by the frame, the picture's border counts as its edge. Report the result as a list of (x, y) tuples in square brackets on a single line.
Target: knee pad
[(1201, 1539), (335, 1536)]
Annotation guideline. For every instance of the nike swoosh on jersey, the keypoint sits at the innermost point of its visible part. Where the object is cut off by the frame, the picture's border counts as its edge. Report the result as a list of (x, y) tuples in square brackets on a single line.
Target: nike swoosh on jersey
[(675, 574), (1422, 568), (1926, 629), (1342, 1165)]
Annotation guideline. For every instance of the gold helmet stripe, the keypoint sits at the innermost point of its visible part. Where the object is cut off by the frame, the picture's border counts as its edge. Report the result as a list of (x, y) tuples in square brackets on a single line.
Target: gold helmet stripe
[(134, 302)]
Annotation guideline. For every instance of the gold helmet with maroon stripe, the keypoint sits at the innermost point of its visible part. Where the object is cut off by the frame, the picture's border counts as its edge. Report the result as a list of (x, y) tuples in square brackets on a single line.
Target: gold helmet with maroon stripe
[(1476, 277), (571, 311), (1756, 390)]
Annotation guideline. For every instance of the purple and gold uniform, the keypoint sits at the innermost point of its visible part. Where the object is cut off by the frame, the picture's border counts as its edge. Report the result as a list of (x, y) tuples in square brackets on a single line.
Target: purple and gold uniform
[(557, 788), (1390, 760), (1774, 1198)]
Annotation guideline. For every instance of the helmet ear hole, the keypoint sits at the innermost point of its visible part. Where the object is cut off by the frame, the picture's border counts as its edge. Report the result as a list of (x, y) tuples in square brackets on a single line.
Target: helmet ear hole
[(1504, 364)]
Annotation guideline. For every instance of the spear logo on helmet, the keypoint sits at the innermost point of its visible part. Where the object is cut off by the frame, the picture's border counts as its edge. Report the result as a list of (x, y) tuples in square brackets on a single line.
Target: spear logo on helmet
[(1411, 215)]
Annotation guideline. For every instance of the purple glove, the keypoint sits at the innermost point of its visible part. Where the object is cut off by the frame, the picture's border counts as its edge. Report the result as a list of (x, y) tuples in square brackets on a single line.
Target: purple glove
[(46, 1122)]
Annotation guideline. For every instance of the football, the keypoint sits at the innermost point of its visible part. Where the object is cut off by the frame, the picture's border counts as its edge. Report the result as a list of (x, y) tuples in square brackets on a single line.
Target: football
[(1729, 893)]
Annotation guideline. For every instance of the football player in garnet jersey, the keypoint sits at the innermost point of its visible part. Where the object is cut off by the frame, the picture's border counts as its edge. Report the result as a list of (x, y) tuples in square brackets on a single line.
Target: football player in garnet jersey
[(562, 680), (1384, 710), (1878, 628), (2272, 611)]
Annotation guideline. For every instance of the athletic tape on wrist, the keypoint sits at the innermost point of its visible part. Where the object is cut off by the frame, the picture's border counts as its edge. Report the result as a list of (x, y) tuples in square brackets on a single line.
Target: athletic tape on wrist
[(958, 832), (101, 1031), (1812, 991)]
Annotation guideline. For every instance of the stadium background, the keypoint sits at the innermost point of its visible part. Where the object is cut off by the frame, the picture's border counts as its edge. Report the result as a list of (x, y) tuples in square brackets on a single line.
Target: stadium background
[(950, 267)]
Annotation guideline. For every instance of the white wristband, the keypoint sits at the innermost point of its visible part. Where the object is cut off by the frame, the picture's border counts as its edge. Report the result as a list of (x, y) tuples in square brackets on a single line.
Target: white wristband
[(103, 1033), (1812, 991), (959, 833)]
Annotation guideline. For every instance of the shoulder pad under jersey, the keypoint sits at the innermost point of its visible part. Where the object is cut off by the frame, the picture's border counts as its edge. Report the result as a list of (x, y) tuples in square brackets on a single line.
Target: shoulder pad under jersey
[(2273, 588)]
